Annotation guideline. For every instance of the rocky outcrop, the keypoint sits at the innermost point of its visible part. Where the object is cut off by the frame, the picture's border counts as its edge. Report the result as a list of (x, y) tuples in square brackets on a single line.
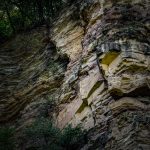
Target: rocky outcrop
[(109, 91), (106, 85), (30, 73)]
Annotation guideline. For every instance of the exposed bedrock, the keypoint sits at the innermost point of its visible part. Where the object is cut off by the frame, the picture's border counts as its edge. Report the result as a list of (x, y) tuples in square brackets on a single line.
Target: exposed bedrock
[(30, 71), (109, 93), (105, 84)]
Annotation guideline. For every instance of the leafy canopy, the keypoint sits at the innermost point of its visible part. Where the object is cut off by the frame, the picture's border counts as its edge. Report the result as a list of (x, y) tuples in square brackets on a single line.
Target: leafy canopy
[(18, 15)]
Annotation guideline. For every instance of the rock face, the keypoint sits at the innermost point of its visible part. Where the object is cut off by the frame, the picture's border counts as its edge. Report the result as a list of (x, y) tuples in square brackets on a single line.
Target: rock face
[(31, 73), (108, 91), (106, 87)]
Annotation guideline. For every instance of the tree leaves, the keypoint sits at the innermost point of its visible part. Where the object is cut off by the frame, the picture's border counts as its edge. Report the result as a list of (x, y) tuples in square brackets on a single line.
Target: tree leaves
[(23, 14)]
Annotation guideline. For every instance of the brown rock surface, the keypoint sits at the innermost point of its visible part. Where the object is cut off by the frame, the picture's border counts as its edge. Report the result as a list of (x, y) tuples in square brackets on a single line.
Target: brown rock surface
[(113, 79), (106, 87)]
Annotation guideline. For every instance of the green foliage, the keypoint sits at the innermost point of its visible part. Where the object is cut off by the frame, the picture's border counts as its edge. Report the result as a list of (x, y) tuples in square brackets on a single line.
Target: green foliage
[(17, 19), (42, 135), (6, 138), (5, 30), (72, 138), (16, 15)]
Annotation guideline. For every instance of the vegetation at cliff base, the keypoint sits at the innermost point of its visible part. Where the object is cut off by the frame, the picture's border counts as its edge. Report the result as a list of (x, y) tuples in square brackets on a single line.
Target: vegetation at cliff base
[(43, 135), (7, 141)]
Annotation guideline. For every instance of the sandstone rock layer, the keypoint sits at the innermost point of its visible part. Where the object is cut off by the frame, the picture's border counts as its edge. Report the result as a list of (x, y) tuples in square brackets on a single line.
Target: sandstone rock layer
[(106, 85)]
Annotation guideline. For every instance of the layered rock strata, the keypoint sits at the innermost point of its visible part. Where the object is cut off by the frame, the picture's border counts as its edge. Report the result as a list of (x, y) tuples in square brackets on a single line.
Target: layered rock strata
[(110, 86), (31, 71), (106, 87)]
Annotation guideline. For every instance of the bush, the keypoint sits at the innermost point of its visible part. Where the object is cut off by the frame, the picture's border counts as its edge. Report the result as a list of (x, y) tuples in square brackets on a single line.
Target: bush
[(6, 138), (72, 138), (42, 135), (5, 29)]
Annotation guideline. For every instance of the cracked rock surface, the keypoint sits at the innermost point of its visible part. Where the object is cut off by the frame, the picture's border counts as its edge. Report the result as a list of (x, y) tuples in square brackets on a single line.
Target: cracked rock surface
[(103, 84)]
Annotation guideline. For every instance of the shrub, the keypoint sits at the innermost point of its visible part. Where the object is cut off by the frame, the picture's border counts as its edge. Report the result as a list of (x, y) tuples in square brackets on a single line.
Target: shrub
[(6, 138), (42, 135), (72, 138), (5, 30)]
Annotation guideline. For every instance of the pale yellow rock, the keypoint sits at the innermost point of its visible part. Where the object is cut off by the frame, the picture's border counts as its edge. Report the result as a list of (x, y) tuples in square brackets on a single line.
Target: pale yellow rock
[(127, 103), (96, 94), (127, 82), (89, 83), (68, 112), (68, 35), (85, 117)]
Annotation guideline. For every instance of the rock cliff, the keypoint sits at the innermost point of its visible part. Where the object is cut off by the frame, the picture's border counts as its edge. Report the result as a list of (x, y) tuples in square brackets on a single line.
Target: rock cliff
[(103, 83)]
